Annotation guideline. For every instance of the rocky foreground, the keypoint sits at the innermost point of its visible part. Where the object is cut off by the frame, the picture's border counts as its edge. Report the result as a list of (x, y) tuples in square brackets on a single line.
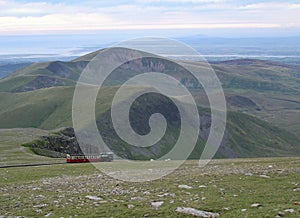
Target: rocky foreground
[(224, 188)]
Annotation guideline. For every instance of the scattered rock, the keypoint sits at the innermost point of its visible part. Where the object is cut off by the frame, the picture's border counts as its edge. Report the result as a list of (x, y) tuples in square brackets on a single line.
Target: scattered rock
[(249, 174), (156, 205), (243, 210), (173, 195), (163, 195), (130, 206), (40, 197), (146, 193), (256, 205), (289, 210), (281, 214), (136, 198), (296, 189), (95, 198), (264, 176), (202, 186), (49, 214), (222, 191), (40, 206), (297, 203), (36, 188), (280, 171), (185, 186), (195, 212)]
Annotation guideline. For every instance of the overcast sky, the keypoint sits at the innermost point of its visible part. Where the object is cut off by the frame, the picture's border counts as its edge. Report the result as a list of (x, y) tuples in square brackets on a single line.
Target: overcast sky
[(38, 17)]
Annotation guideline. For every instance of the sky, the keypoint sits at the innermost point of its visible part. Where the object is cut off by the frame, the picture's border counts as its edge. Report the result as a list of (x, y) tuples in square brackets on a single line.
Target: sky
[(19, 17)]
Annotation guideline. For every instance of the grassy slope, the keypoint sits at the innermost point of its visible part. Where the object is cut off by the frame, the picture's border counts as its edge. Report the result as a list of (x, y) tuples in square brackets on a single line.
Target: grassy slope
[(228, 186), (51, 108), (47, 108), (251, 137), (42, 75), (273, 87), (229, 189), (12, 153)]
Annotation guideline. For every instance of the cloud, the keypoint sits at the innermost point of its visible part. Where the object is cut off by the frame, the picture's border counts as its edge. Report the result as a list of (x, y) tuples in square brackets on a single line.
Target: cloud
[(55, 22), (13, 8), (60, 22), (271, 6), (182, 1), (35, 17)]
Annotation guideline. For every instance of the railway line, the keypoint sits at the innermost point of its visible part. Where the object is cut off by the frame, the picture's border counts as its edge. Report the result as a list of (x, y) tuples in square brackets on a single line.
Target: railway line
[(31, 165)]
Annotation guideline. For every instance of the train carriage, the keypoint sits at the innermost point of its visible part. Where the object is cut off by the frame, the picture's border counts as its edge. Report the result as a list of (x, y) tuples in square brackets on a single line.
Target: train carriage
[(102, 157)]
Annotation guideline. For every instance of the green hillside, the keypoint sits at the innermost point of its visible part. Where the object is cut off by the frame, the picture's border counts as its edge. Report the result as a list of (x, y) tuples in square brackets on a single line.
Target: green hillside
[(43, 75), (246, 136), (40, 96), (273, 88), (45, 108)]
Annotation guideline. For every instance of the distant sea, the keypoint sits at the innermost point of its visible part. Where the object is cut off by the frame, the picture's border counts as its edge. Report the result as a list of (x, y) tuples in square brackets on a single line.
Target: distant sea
[(20, 49)]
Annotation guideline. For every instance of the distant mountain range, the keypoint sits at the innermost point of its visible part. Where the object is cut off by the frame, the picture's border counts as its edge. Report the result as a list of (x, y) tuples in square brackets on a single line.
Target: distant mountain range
[(6, 69), (281, 49), (263, 98)]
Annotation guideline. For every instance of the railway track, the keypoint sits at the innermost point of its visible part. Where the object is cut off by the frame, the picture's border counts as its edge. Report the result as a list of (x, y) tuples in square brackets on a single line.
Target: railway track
[(30, 165)]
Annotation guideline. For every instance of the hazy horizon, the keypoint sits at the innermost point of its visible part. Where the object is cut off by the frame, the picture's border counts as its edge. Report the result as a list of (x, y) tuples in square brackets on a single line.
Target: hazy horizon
[(37, 30), (34, 48)]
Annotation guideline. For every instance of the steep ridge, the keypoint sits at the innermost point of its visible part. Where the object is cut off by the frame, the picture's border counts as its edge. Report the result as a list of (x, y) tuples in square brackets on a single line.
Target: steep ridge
[(43, 75)]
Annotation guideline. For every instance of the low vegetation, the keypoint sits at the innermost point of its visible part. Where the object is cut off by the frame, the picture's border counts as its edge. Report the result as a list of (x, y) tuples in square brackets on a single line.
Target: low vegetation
[(11, 151), (231, 188)]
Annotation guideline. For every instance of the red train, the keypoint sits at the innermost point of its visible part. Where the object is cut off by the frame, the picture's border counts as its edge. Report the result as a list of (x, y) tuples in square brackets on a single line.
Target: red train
[(102, 157)]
